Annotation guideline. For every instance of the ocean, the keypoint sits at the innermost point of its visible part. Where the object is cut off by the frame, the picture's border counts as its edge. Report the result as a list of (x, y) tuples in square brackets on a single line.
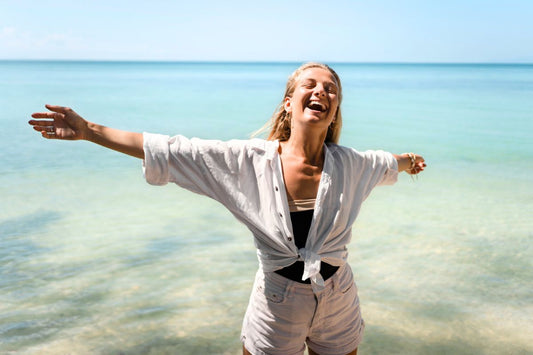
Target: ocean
[(93, 260)]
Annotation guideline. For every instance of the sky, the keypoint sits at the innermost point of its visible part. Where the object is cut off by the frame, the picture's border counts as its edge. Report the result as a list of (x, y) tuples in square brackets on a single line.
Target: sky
[(264, 31)]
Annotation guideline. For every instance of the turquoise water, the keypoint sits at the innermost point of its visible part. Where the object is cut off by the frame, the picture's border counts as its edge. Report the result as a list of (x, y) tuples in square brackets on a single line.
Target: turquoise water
[(94, 260)]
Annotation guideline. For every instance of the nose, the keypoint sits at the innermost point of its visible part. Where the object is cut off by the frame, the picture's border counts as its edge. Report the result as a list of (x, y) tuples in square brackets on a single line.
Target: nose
[(320, 90)]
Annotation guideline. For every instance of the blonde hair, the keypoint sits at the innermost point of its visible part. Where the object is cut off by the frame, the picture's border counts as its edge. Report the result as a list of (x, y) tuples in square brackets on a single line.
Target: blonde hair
[(280, 123)]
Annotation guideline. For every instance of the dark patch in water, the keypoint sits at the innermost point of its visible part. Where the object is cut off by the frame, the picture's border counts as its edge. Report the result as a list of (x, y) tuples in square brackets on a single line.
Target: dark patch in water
[(30, 223)]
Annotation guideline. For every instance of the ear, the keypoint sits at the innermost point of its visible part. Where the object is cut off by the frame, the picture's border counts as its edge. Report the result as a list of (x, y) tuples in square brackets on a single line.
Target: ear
[(287, 104)]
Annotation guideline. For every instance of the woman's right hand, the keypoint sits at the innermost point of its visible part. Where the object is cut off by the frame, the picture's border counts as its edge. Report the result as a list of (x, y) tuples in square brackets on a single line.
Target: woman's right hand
[(61, 123), (64, 123)]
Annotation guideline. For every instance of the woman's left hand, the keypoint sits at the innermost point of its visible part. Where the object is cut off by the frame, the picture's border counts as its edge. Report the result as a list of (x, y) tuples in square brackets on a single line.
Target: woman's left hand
[(410, 163), (418, 166)]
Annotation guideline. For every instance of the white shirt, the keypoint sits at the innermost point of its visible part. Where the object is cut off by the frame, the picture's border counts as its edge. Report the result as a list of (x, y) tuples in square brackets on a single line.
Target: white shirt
[(246, 177)]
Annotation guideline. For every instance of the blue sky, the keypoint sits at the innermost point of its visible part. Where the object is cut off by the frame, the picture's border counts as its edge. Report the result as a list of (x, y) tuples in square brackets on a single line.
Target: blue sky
[(331, 31)]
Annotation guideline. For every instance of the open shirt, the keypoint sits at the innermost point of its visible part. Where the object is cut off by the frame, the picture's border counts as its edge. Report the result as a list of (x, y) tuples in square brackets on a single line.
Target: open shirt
[(246, 177)]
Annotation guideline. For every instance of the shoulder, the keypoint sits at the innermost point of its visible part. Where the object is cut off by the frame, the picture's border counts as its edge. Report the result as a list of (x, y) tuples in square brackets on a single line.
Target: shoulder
[(255, 143), (344, 153), (252, 146), (237, 147), (340, 149)]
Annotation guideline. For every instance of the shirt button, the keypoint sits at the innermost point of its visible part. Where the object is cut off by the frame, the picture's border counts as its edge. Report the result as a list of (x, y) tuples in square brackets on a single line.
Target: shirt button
[(290, 239), (281, 215)]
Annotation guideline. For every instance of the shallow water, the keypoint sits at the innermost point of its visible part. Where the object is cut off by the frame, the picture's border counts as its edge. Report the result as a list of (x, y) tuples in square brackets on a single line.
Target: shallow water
[(94, 260)]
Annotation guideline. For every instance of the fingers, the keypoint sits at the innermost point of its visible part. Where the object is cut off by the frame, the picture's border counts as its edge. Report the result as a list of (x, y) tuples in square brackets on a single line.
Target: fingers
[(42, 125), (48, 132), (58, 112), (45, 122), (48, 135), (43, 128), (46, 128), (418, 168), (420, 164), (419, 158), (51, 115), (41, 122)]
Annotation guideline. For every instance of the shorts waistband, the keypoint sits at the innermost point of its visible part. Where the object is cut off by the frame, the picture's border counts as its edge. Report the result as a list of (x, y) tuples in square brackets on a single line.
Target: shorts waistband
[(280, 280)]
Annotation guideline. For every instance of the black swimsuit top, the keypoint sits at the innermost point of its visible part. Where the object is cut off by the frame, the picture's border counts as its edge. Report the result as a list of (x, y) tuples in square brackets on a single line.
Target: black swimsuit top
[(301, 222)]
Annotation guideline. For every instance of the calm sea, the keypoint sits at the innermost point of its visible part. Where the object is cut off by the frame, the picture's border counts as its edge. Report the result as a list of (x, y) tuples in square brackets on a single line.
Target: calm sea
[(95, 261)]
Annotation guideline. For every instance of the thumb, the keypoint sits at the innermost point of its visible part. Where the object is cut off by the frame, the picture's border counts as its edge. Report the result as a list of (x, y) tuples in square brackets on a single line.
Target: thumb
[(59, 109)]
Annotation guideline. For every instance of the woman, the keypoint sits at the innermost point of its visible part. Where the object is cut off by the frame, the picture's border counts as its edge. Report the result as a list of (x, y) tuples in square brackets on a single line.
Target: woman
[(298, 192)]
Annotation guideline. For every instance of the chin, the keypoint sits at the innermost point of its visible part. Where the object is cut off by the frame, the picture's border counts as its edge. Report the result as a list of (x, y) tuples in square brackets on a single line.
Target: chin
[(317, 118)]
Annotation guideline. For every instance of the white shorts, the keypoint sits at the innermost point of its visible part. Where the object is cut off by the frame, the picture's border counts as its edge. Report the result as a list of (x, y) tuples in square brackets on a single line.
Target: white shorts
[(284, 315)]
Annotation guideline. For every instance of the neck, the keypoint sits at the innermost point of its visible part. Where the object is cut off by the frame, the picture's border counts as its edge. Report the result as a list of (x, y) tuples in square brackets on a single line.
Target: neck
[(307, 146)]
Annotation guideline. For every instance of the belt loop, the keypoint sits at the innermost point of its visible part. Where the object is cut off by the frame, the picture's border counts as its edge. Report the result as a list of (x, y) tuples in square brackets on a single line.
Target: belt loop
[(289, 287)]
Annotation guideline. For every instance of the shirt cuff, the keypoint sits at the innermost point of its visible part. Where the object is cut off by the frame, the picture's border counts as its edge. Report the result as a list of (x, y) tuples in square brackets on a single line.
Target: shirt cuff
[(391, 174), (156, 154)]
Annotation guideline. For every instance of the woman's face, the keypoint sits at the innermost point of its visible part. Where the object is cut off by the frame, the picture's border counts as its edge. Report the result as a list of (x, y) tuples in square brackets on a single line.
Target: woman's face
[(315, 98)]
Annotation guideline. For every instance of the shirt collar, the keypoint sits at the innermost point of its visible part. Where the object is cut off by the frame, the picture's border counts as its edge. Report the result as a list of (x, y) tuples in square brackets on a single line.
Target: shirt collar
[(273, 148)]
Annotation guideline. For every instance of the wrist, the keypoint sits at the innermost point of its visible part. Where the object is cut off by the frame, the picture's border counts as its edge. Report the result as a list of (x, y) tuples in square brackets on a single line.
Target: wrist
[(406, 162), (412, 161), (90, 132)]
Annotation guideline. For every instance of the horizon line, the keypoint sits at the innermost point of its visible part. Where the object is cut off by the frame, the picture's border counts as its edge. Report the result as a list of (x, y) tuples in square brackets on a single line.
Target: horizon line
[(281, 62)]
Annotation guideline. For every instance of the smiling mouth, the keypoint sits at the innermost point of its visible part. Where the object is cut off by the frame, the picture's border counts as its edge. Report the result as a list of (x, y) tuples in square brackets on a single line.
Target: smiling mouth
[(316, 106)]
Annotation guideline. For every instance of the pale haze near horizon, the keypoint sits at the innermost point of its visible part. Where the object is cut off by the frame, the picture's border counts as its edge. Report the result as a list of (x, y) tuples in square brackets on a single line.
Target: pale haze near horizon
[(341, 31)]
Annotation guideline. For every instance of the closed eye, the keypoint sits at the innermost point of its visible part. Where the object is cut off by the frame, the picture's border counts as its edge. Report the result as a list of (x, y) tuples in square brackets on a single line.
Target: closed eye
[(331, 88), (309, 84)]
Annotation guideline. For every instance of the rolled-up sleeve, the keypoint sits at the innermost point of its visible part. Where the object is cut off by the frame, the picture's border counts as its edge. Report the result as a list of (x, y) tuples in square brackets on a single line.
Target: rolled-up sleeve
[(389, 165), (213, 168), (377, 168), (156, 157)]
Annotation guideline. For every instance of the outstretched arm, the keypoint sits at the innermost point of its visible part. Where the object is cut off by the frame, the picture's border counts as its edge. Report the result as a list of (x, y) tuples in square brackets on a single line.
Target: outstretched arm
[(63, 123), (410, 163)]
